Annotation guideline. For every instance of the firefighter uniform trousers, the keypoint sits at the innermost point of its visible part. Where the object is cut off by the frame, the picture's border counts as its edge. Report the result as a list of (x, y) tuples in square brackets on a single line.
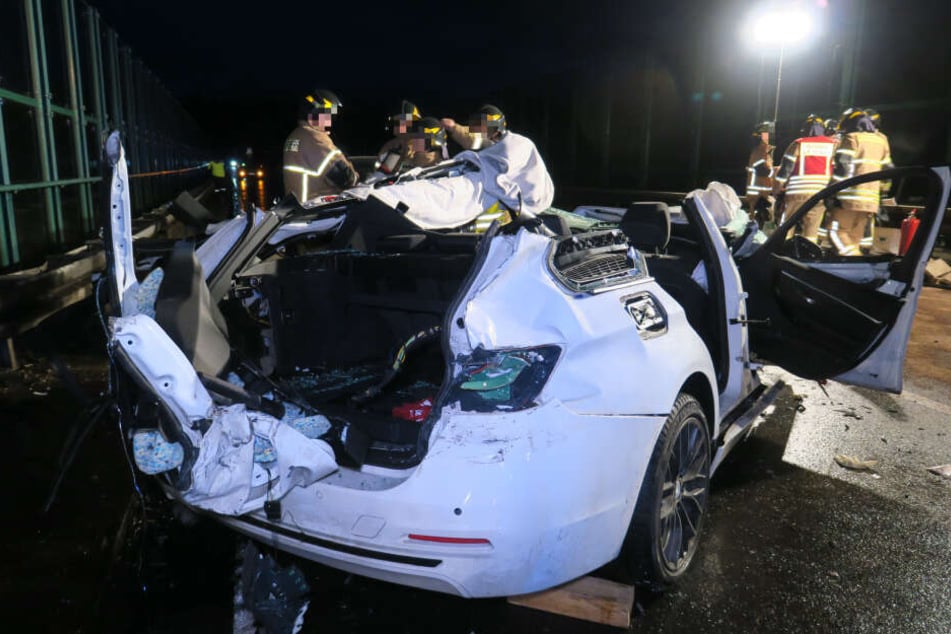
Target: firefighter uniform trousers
[(806, 170), (858, 153), (759, 182)]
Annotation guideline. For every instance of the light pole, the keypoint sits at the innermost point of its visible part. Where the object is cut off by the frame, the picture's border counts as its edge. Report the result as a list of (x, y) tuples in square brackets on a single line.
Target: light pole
[(787, 27), (779, 79)]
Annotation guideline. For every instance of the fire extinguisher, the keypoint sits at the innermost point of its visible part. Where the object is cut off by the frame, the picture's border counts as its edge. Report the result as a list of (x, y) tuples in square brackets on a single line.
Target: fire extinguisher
[(908, 228)]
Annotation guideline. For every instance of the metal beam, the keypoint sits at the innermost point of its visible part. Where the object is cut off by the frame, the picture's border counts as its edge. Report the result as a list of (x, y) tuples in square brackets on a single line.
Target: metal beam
[(9, 246), (18, 98), (99, 90), (79, 118), (34, 33), (65, 182)]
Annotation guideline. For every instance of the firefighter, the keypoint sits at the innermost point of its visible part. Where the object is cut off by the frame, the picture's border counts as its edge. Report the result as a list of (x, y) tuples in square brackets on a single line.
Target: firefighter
[(830, 125), (806, 169), (313, 165), (427, 142), (486, 127), (759, 170), (861, 150), (398, 151)]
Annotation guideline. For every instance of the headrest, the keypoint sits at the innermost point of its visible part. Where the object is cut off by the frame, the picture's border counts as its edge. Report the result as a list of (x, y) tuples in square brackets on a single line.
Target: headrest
[(556, 224), (647, 225)]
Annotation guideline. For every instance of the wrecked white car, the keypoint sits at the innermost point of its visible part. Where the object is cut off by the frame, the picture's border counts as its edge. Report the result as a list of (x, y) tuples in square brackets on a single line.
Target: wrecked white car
[(483, 414)]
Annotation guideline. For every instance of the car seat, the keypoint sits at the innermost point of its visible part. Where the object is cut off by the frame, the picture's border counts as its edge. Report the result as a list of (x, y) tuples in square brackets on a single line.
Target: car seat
[(185, 311), (647, 226)]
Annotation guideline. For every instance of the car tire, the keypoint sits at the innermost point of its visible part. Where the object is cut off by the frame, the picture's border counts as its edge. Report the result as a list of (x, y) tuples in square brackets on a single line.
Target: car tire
[(672, 503)]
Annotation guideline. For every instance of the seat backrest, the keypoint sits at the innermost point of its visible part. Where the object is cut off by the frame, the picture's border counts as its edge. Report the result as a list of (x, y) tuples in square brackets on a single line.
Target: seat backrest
[(556, 224), (185, 311), (647, 226)]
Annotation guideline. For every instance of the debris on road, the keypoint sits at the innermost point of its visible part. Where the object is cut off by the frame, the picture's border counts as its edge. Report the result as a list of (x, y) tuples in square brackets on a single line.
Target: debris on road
[(938, 273), (943, 470), (276, 596), (849, 413), (853, 463)]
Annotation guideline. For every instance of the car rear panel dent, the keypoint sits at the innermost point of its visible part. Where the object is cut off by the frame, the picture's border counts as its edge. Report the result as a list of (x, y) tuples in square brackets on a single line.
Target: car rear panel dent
[(606, 367)]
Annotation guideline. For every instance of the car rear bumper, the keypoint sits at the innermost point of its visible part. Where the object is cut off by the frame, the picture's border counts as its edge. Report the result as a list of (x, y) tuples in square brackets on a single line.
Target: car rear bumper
[(547, 509)]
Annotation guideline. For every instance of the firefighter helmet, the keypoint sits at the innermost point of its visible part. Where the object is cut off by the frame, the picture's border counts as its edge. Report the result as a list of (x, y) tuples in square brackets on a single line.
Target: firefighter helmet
[(849, 121), (874, 117), (812, 126), (319, 101), (765, 126), (432, 131), (402, 121), (409, 108), (829, 125), (492, 118)]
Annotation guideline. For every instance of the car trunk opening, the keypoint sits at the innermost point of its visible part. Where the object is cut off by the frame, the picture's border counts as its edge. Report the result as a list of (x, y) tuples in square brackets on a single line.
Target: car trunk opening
[(357, 336)]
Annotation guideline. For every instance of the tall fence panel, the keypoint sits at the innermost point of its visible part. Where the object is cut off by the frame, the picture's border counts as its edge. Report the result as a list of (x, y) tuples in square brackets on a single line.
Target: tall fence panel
[(66, 80)]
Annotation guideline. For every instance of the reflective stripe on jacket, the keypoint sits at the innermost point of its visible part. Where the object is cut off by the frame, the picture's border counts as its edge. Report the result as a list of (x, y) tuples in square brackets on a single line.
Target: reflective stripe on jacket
[(309, 154), (807, 165), (861, 153), (759, 170)]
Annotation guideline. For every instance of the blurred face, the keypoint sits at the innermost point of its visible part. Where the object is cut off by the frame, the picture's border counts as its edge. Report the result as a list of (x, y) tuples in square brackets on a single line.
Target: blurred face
[(418, 144), (401, 124), (478, 125), (324, 120)]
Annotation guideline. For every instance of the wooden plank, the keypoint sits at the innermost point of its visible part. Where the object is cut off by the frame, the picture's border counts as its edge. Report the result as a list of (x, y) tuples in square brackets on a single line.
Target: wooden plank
[(587, 598)]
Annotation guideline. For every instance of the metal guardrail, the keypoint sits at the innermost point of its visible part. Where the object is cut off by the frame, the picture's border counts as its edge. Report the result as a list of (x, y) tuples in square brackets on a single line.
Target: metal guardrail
[(65, 82), (30, 296)]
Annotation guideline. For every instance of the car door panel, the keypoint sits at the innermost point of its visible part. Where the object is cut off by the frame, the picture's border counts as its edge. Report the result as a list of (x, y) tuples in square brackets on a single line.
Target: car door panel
[(842, 325), (817, 324)]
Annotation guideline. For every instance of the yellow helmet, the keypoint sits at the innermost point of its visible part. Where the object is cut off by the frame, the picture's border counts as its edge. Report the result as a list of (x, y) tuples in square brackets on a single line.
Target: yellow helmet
[(319, 101)]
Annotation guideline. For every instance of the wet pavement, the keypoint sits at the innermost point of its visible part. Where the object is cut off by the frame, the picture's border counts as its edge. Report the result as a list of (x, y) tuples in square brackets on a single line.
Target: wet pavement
[(793, 542)]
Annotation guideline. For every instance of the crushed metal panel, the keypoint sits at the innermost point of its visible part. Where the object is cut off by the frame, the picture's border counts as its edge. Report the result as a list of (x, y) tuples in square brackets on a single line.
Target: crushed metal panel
[(120, 224)]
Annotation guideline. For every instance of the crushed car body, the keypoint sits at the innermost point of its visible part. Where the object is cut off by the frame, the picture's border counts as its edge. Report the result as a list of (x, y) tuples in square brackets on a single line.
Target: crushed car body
[(482, 414)]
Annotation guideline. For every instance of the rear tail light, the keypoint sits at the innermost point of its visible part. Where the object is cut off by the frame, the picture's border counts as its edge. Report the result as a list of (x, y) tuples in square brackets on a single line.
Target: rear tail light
[(508, 380)]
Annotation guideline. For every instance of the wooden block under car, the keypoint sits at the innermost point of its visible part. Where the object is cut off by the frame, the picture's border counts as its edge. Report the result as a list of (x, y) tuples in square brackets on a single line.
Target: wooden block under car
[(587, 598), (938, 272)]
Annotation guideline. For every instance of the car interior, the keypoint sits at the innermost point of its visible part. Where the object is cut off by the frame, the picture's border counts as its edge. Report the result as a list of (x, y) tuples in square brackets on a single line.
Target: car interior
[(325, 324)]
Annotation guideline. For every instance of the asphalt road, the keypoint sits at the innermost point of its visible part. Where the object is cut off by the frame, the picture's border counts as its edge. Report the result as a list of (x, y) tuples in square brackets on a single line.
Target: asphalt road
[(793, 542)]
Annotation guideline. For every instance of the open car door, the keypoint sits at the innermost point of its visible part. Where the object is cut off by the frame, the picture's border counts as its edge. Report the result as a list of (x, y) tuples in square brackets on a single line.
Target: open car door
[(820, 315)]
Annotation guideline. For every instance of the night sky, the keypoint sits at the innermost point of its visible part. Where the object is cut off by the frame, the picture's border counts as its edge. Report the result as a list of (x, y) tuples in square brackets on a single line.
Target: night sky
[(240, 67)]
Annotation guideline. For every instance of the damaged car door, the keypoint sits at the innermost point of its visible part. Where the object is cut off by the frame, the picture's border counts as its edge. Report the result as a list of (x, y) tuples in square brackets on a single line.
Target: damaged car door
[(820, 315)]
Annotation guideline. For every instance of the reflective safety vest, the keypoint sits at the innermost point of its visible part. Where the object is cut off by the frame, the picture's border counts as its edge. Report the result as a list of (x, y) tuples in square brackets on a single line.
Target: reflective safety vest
[(217, 169), (861, 153), (807, 165)]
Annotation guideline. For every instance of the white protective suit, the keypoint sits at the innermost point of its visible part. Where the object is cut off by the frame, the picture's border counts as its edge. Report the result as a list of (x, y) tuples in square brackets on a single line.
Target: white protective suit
[(511, 172)]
